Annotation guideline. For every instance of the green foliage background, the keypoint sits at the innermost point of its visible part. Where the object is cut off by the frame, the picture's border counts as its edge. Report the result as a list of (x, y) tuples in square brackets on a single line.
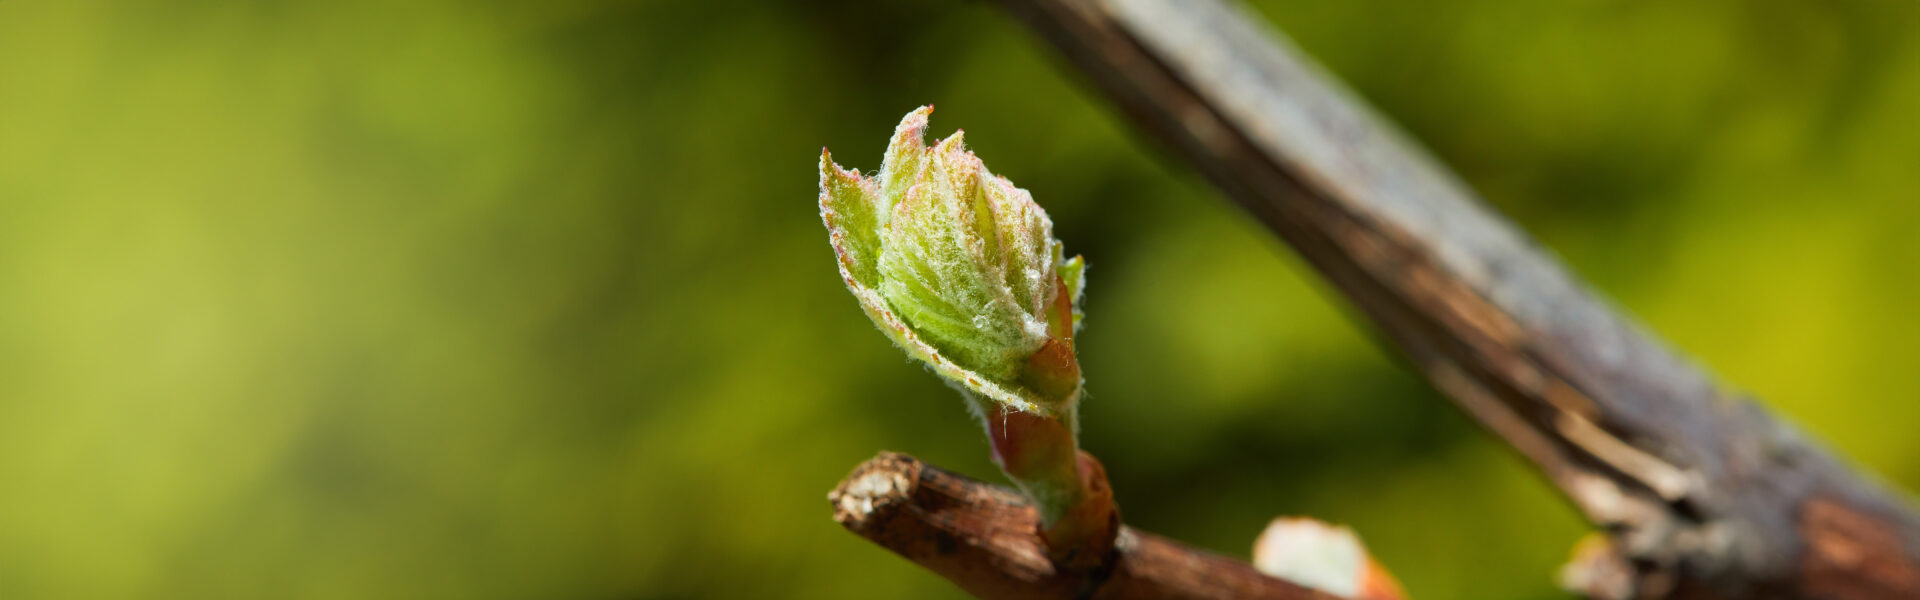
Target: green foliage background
[(440, 299)]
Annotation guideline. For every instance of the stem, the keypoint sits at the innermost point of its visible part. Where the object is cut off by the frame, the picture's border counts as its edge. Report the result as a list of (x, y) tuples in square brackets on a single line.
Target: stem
[(1037, 453), (1067, 487)]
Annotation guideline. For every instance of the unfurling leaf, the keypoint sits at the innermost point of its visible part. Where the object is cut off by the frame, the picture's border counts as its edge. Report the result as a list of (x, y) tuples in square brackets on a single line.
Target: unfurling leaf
[(960, 268)]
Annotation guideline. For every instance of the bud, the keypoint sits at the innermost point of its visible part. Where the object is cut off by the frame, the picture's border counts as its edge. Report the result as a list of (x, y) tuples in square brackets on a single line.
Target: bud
[(960, 268), (1324, 557)]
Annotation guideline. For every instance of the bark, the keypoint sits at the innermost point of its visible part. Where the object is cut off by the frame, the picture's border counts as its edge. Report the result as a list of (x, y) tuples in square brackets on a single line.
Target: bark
[(1702, 492)]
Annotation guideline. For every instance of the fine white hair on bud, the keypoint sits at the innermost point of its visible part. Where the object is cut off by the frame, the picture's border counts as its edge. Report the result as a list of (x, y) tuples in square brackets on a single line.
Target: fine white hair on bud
[(959, 267)]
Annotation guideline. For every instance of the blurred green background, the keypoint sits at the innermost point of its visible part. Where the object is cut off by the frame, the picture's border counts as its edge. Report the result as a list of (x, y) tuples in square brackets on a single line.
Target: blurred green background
[(440, 299)]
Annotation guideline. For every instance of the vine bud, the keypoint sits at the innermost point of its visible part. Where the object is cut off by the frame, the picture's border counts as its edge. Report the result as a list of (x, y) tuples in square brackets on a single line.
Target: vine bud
[(960, 269), (1325, 557)]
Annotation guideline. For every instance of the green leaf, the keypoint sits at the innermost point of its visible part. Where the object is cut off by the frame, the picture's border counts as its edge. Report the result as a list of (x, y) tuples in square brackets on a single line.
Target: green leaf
[(850, 208)]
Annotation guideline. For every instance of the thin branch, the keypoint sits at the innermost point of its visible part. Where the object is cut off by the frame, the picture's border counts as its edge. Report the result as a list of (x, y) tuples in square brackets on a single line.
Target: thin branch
[(1704, 493), (985, 539)]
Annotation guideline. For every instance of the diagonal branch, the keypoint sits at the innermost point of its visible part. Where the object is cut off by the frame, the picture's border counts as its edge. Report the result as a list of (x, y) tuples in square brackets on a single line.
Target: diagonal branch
[(985, 539), (1704, 493)]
